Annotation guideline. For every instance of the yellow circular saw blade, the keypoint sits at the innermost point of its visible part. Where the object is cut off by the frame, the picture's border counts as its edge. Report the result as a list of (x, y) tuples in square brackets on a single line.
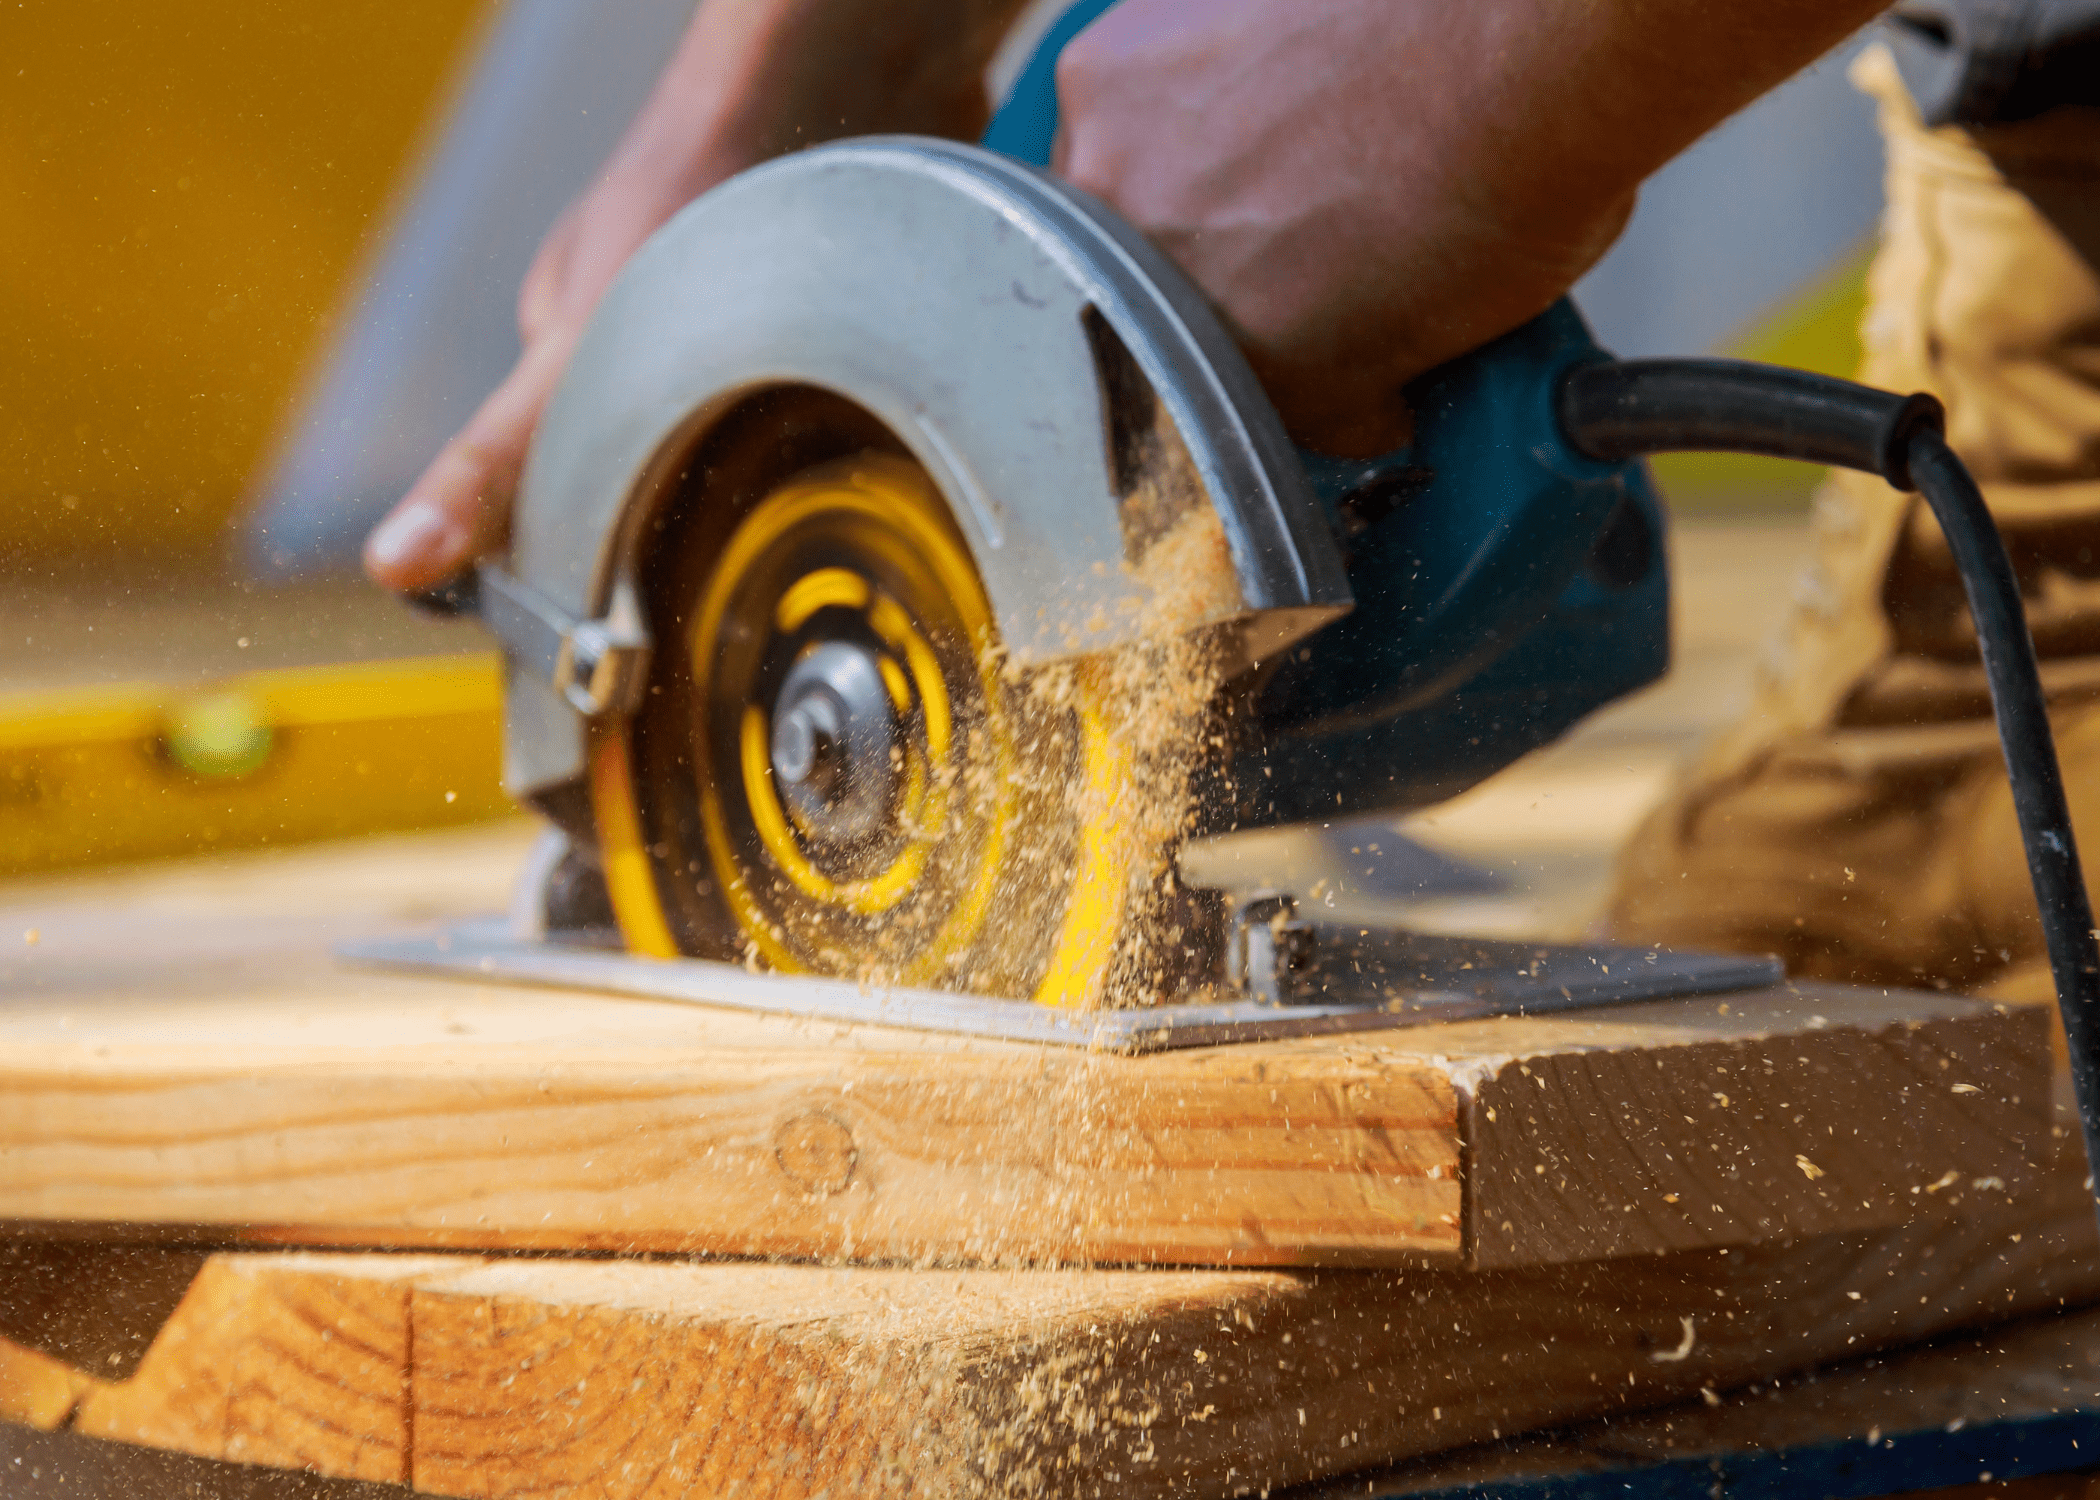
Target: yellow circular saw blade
[(992, 874)]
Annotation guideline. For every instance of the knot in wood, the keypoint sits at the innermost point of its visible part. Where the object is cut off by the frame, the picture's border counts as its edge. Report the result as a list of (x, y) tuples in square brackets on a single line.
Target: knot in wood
[(816, 1152)]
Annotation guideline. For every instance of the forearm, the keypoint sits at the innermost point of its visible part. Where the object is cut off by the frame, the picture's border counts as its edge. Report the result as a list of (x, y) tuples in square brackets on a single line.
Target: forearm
[(1560, 109), (1575, 102), (1367, 188), (755, 78)]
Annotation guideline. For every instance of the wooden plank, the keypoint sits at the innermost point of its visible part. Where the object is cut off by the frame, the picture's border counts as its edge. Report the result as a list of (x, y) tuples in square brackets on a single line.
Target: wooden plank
[(2016, 1409), (355, 1108), (583, 1379), (37, 1390), (288, 1366), (1850, 1109), (2038, 1367), (715, 1131)]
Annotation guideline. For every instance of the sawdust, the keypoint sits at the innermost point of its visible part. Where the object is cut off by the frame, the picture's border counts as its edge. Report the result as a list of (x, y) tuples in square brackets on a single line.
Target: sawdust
[(1143, 713), (1109, 817), (1067, 1411), (1004, 1389)]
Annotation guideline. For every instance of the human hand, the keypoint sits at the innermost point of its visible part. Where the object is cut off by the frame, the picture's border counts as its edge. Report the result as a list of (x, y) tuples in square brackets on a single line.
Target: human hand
[(460, 507), (751, 79), (1367, 188)]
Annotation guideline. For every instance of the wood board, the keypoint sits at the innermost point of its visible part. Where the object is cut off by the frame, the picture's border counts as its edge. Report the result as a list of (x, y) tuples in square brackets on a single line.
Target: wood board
[(2012, 1413), (469, 1376), (180, 1051)]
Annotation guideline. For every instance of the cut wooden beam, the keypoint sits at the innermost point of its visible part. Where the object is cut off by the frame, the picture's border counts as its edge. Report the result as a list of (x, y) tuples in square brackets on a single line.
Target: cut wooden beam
[(179, 1050), (1665, 1128), (37, 1390), (607, 1378), (425, 1114), (293, 1365), (325, 1105), (2013, 1404)]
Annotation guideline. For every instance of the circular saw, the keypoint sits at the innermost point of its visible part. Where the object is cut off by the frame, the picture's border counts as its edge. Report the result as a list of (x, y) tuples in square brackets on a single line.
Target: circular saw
[(866, 466), (902, 513), (905, 525), (832, 772)]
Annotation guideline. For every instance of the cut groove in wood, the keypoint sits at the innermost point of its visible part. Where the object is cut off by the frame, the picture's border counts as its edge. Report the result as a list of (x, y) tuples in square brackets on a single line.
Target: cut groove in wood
[(295, 1366)]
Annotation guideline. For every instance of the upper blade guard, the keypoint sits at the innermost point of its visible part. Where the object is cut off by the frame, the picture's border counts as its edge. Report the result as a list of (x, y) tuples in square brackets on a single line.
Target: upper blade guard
[(1068, 393)]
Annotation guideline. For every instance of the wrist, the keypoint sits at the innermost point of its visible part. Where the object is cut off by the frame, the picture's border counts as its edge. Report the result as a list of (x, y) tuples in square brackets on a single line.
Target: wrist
[(753, 79)]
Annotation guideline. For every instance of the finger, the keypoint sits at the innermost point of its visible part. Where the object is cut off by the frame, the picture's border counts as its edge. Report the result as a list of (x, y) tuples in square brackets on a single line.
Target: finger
[(540, 295), (1339, 409), (460, 508), (441, 525)]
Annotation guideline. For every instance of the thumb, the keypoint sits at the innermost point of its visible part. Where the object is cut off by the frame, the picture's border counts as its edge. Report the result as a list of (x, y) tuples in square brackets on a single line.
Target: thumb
[(459, 508)]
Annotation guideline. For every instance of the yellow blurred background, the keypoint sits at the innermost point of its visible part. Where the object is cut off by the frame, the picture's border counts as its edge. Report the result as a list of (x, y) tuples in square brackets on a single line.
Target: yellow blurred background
[(186, 192)]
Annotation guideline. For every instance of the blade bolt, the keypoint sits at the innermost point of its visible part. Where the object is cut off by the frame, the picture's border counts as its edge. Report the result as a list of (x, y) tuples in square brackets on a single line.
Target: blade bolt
[(806, 748), (834, 731)]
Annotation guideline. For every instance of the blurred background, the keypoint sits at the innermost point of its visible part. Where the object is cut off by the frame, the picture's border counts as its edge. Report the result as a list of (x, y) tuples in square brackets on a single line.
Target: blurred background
[(261, 259)]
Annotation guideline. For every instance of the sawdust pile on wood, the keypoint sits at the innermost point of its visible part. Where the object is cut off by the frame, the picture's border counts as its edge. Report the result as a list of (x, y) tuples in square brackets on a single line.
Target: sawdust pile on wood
[(1114, 1399)]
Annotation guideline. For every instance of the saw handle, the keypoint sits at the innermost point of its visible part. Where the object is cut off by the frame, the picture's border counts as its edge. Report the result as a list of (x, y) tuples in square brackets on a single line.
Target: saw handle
[(1505, 586)]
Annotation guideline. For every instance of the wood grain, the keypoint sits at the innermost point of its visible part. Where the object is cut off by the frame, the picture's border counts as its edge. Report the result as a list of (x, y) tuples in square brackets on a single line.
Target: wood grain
[(890, 1149), (180, 1050), (1850, 1123), (294, 1365), (308, 1103), (2006, 1400), (631, 1378)]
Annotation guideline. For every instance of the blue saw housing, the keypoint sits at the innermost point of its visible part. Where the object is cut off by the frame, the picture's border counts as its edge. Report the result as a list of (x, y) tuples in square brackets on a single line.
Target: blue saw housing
[(1505, 586)]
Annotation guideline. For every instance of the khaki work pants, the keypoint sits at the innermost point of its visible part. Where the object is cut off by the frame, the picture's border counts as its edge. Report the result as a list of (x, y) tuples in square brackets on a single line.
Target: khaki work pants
[(1856, 821)]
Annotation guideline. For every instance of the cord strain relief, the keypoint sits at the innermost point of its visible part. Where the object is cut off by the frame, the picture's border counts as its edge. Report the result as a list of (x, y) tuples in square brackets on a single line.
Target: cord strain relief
[(1921, 412)]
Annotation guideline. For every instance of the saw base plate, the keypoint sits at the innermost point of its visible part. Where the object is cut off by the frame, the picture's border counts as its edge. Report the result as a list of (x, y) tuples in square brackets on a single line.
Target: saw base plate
[(1443, 979)]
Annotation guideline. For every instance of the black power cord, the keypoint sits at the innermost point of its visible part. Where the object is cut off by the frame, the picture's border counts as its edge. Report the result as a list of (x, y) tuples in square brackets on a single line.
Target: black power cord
[(1624, 409)]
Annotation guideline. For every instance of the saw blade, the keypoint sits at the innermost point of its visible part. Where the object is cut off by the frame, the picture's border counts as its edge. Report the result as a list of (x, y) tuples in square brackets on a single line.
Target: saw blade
[(835, 773)]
